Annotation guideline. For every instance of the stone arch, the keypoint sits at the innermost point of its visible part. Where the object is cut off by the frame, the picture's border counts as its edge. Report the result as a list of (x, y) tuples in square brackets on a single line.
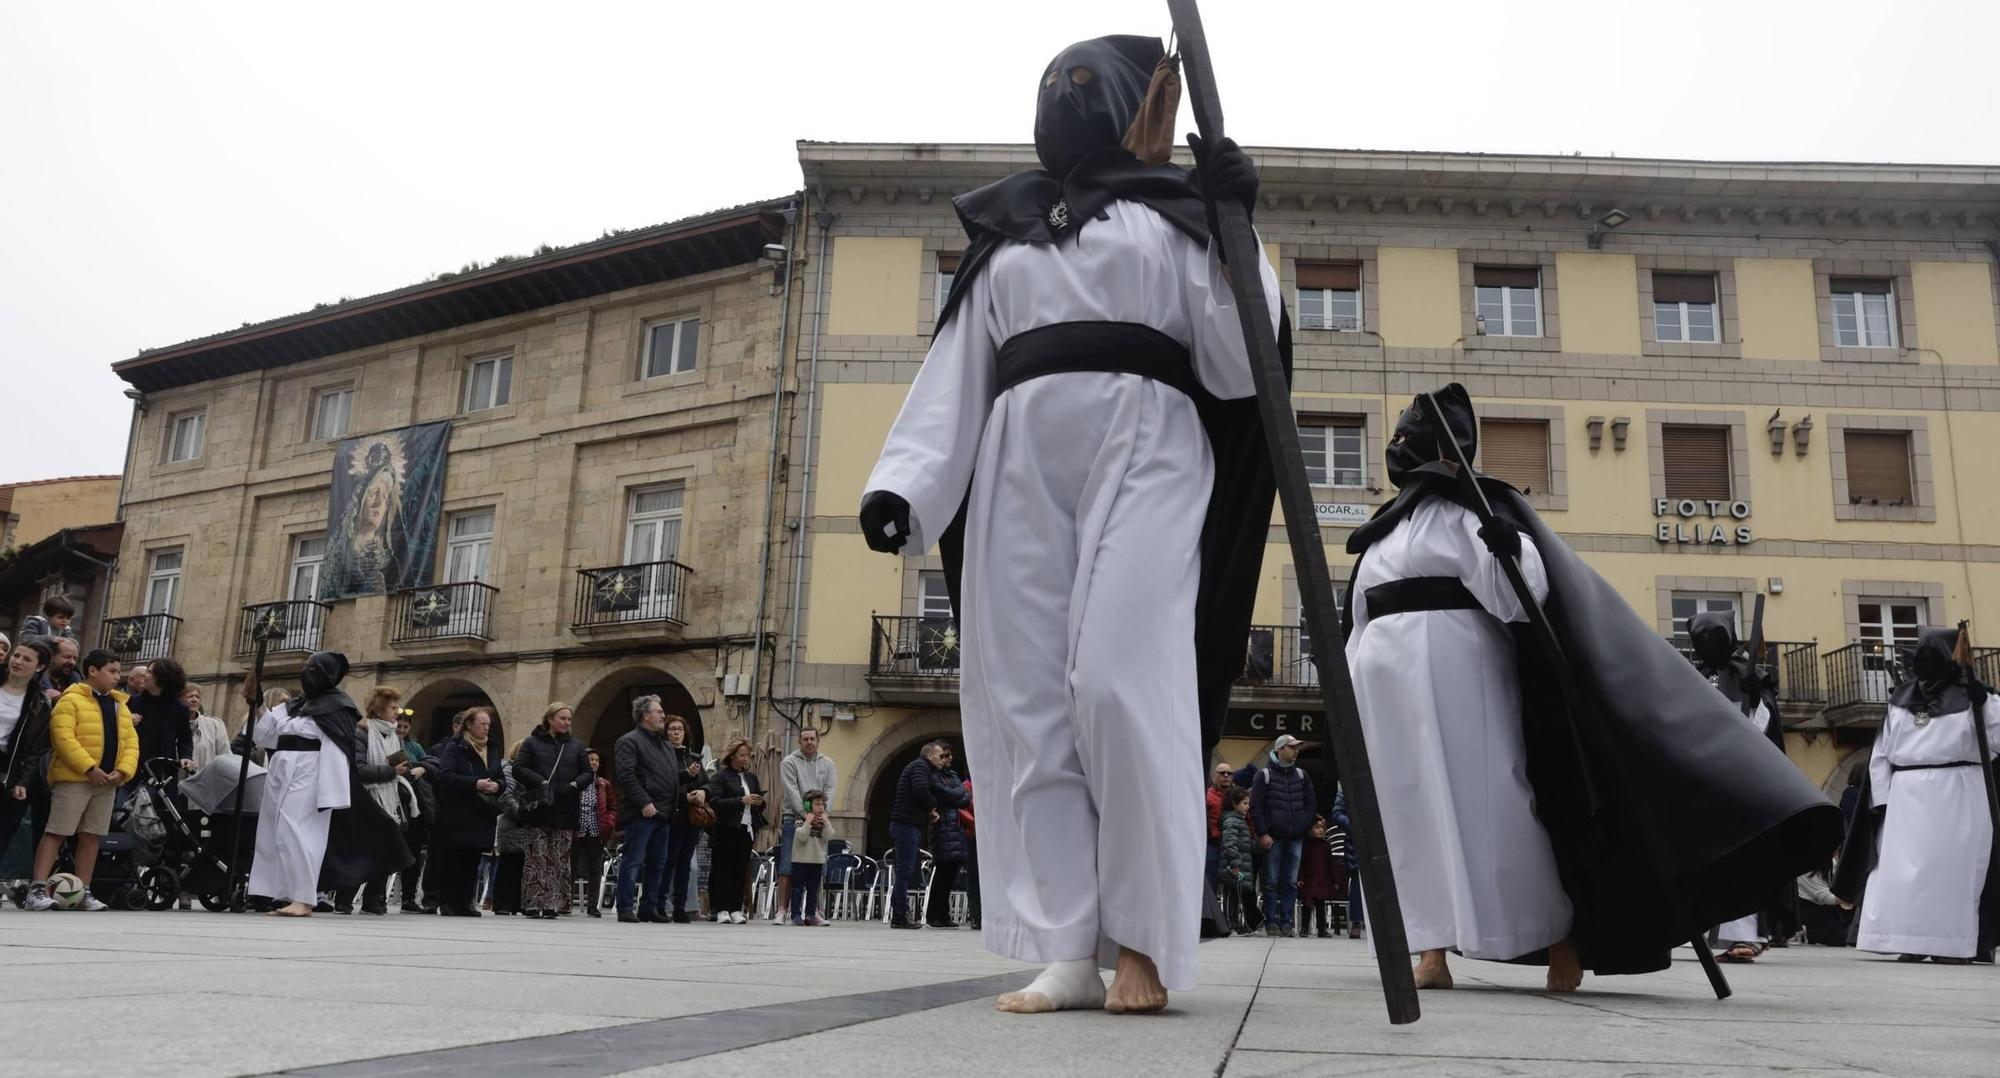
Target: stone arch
[(884, 758), (1836, 780), (603, 707), (435, 698)]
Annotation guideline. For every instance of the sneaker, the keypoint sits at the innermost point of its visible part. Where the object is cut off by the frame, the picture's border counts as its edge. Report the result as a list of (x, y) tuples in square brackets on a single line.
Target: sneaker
[(1271, 930), (818, 922), (681, 917), (90, 904), (737, 918), (1288, 932), (38, 897)]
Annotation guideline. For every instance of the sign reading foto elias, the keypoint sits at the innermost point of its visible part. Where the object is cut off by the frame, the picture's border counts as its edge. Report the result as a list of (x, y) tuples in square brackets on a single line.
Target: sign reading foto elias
[(1710, 521)]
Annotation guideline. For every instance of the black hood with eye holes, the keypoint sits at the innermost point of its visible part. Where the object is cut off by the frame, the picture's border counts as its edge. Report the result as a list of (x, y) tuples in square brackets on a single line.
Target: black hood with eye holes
[(1934, 681), (1072, 120), (1416, 442)]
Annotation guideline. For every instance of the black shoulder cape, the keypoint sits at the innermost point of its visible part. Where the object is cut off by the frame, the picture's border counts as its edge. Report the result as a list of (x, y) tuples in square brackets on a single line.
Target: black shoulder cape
[(1016, 210), (1696, 820), (363, 843), (1864, 831)]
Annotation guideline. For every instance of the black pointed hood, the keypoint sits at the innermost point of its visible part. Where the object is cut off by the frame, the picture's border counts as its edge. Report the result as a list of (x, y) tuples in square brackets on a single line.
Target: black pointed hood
[(1934, 682), (1416, 441), (1713, 636), (1074, 119)]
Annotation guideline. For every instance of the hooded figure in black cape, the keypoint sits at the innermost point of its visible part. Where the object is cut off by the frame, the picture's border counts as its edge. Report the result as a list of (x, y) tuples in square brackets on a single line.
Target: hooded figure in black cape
[(1921, 858), (364, 843), (1083, 443), (1754, 691), (1661, 810)]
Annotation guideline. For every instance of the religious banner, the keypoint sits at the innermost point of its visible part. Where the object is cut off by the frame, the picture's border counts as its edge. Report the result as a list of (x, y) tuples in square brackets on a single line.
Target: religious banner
[(382, 526)]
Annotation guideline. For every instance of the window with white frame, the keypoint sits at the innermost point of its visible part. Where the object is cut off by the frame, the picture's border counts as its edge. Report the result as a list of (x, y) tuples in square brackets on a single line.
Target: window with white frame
[(933, 597), (1687, 604), (332, 412), (488, 382), (1334, 452), (185, 434), (1886, 625), (308, 554), (937, 631), (163, 580), (1509, 300), (653, 540), (1684, 308), (468, 551), (1330, 295), (1864, 312), (947, 272), (670, 347)]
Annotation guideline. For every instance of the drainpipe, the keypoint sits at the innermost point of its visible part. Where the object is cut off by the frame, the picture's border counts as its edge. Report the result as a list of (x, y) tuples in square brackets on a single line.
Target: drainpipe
[(805, 479), (138, 398), (771, 471)]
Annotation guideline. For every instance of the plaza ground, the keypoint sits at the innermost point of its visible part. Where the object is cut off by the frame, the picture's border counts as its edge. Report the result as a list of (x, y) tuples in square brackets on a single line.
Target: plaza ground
[(197, 993)]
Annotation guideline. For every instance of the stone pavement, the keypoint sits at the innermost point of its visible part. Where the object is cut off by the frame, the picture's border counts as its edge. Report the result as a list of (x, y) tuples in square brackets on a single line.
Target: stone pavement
[(215, 994)]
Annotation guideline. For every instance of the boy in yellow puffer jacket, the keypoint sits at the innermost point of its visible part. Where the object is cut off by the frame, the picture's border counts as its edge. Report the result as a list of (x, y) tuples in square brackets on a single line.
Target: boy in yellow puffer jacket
[(94, 749)]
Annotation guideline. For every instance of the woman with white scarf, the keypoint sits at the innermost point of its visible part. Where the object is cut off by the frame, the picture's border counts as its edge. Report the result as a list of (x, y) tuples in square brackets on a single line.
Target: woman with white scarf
[(385, 774)]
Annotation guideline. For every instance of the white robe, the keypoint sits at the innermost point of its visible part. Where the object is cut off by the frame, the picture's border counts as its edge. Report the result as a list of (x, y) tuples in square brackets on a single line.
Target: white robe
[(1745, 929), (1087, 495), (300, 789), (1441, 707), (1930, 865)]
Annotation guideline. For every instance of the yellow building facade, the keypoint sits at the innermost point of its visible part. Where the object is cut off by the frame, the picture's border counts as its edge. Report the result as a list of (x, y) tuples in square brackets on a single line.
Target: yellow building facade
[(1716, 381)]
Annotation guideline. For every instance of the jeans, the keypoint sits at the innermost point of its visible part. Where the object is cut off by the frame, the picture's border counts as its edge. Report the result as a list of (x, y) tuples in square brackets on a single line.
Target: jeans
[(909, 839), (1281, 880), (682, 840), (645, 849), (785, 832)]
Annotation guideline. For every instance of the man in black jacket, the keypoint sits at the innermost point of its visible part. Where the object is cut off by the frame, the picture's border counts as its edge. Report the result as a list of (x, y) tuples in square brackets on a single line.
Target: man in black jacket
[(648, 778), (915, 810), (1281, 812)]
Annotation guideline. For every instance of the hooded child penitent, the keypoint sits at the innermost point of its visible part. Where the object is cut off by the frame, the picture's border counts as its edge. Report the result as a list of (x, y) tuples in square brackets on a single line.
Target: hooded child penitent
[(1060, 418)]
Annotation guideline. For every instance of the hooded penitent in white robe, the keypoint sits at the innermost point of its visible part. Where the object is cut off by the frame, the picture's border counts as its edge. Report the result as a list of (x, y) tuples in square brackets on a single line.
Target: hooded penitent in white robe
[(300, 791), (1930, 866), (1441, 707), (1088, 490)]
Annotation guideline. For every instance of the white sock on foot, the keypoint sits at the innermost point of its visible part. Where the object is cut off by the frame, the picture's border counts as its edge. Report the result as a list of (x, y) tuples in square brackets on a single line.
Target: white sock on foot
[(1072, 985)]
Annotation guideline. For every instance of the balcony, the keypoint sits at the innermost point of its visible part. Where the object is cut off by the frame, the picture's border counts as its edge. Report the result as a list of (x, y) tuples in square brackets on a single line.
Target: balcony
[(648, 595), (1279, 656), (443, 618), (140, 638), (296, 626), (914, 660), (1859, 679)]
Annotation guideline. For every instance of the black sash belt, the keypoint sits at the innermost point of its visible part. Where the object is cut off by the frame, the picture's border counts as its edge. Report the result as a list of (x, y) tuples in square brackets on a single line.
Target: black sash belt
[(1114, 347), (296, 743), (1931, 767), (1419, 593)]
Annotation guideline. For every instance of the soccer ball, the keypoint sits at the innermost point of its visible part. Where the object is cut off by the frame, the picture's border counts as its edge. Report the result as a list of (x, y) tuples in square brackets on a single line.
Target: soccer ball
[(67, 890)]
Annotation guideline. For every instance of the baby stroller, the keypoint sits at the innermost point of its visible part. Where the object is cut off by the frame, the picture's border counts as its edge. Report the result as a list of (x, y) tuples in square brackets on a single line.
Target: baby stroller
[(222, 836), (169, 850)]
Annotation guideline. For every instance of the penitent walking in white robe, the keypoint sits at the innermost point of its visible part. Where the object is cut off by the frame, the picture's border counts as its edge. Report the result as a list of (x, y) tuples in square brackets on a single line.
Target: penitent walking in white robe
[(1930, 868), (300, 789), (1441, 707), (1082, 546), (1746, 929)]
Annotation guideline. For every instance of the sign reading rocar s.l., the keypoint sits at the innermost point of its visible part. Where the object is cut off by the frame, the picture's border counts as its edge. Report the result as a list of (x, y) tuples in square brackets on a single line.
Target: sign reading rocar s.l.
[(1708, 521)]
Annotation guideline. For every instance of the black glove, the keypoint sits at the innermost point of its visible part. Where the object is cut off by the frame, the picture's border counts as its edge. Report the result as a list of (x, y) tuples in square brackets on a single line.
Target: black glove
[(1501, 538), (1225, 172), (885, 521)]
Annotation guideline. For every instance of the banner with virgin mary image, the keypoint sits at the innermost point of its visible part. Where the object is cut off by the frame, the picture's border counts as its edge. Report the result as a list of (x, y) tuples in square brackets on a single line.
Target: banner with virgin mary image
[(382, 528)]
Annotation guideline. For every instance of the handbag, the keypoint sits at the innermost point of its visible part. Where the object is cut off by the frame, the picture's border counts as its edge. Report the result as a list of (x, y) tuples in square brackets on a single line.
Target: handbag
[(531, 803), (701, 814)]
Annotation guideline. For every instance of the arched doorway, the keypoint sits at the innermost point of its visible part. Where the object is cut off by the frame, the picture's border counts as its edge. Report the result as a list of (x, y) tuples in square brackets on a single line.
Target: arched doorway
[(435, 704), (605, 713), (882, 790)]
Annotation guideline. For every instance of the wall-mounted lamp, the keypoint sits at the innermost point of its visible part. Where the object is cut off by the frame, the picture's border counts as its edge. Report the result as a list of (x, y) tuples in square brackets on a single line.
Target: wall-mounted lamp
[(1776, 585), (137, 398), (1802, 434), (1619, 428), (1479, 325), (780, 260), (1775, 427), (1606, 223), (1595, 424)]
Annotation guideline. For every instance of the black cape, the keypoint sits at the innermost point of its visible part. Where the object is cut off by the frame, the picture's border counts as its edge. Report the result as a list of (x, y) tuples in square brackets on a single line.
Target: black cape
[(363, 843), (1745, 684), (1696, 821), (1015, 210), (1864, 831)]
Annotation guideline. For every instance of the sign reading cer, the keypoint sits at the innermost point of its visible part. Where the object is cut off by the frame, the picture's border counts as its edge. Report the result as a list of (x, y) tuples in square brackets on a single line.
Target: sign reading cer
[(1711, 521)]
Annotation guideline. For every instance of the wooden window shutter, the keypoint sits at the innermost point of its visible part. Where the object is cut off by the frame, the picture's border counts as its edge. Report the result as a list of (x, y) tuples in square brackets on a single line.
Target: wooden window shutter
[(1339, 276), (1516, 451), (1696, 461), (1683, 288), (947, 263), (1878, 467), (1506, 276)]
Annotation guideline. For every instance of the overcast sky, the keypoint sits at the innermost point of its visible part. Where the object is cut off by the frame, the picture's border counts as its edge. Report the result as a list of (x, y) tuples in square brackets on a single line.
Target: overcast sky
[(175, 170)]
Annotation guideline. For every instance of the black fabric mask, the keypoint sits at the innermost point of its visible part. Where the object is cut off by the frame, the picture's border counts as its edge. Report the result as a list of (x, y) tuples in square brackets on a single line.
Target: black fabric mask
[(1416, 442), (1936, 683), (322, 673), (1071, 120)]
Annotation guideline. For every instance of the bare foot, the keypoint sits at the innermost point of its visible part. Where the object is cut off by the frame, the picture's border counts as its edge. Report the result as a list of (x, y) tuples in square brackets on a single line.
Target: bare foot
[(1432, 972), (1136, 987), (296, 909), (1064, 986), (1565, 969)]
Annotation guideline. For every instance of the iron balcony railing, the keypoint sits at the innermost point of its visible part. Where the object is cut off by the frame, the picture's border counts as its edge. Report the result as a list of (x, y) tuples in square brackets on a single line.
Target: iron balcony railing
[(913, 647), (141, 637), (1795, 662), (1860, 673), (617, 594), (460, 611), (1279, 656), (293, 625), (1986, 663)]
